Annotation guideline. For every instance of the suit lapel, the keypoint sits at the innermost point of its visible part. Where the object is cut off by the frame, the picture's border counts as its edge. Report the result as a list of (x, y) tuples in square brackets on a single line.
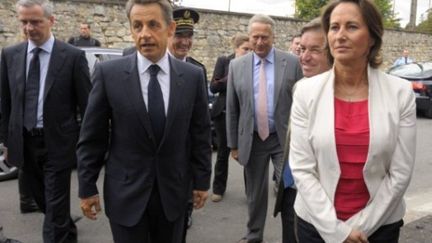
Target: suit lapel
[(248, 66), (133, 91), (176, 81), (280, 68), (20, 75), (58, 56)]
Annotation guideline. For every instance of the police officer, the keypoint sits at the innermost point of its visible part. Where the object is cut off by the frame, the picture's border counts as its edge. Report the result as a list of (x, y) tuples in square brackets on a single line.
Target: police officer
[(181, 43), (179, 46)]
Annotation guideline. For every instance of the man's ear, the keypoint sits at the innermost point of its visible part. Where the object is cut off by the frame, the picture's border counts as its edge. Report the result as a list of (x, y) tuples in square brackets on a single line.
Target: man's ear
[(51, 19), (171, 28)]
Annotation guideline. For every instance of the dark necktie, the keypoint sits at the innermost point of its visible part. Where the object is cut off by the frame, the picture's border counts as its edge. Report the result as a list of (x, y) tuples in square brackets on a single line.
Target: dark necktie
[(156, 108), (32, 91), (406, 60)]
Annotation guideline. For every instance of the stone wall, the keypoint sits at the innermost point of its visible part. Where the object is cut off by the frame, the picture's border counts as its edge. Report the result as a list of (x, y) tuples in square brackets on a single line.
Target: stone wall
[(110, 25)]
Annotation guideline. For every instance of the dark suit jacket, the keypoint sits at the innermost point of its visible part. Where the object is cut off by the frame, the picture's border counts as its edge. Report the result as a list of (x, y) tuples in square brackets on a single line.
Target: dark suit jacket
[(67, 86), (135, 161), (202, 66), (218, 84)]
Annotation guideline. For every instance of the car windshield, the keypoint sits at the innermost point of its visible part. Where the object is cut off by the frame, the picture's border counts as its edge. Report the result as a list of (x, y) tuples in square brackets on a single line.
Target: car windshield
[(413, 70)]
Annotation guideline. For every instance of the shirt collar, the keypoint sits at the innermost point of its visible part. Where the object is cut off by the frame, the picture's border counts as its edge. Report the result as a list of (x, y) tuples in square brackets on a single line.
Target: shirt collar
[(145, 63), (269, 58), (47, 46)]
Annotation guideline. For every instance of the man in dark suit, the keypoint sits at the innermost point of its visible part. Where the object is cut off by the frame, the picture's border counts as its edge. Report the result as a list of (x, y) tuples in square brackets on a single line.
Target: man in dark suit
[(259, 89), (159, 139), (43, 83)]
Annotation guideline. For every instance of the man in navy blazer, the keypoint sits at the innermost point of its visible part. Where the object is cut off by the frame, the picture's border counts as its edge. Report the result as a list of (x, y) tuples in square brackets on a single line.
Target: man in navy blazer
[(44, 82), (147, 174)]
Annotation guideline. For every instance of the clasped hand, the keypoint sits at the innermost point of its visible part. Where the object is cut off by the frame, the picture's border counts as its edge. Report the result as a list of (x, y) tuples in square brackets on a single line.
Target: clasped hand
[(356, 236)]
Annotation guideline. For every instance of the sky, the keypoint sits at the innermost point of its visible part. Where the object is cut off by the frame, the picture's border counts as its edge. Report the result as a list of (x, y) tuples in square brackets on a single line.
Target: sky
[(286, 7)]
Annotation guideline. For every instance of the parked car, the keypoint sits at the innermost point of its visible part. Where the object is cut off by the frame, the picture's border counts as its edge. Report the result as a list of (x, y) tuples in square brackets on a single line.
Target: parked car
[(99, 54), (420, 76)]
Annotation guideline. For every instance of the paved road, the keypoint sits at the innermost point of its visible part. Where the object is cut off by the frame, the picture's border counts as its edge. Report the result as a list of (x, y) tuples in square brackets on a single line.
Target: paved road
[(224, 222)]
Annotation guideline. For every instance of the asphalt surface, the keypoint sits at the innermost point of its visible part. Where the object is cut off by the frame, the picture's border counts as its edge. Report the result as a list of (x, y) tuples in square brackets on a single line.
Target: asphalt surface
[(225, 221)]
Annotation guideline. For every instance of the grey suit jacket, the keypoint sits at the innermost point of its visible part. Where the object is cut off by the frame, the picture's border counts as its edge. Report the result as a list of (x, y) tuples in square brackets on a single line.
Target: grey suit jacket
[(67, 86), (240, 100), (117, 122)]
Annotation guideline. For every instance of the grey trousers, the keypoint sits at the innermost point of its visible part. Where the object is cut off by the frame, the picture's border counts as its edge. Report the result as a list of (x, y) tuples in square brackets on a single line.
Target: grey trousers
[(257, 174)]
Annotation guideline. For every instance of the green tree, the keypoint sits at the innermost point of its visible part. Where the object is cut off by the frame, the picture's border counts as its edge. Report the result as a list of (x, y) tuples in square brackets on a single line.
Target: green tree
[(426, 25), (386, 9), (309, 9)]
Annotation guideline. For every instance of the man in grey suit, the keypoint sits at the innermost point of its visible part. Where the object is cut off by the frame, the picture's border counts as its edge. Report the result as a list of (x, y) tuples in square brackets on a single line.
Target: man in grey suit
[(44, 82), (149, 111), (259, 96)]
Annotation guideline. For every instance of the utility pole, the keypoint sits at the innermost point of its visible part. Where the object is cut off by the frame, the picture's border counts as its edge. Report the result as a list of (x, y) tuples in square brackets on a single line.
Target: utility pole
[(413, 15)]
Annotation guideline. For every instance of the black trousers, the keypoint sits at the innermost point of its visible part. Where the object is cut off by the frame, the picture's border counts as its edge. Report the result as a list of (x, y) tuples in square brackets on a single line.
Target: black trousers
[(153, 227), (51, 190), (288, 215), (221, 165), (25, 191), (388, 233)]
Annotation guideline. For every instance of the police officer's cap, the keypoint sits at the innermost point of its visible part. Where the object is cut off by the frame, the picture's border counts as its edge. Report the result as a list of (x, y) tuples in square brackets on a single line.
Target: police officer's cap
[(185, 19)]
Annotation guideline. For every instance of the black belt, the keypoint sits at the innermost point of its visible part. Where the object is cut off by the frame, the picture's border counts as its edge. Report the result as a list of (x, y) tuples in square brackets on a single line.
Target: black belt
[(34, 132)]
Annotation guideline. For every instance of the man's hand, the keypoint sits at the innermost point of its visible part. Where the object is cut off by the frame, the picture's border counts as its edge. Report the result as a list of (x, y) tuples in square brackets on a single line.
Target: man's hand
[(234, 154), (90, 207), (356, 236), (199, 198)]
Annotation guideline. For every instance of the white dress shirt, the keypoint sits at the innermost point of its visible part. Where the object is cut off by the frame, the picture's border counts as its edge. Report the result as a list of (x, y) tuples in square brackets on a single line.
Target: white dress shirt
[(44, 58), (163, 77)]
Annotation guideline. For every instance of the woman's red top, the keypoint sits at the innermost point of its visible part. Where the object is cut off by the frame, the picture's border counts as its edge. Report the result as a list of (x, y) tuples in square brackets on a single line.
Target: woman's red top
[(352, 144)]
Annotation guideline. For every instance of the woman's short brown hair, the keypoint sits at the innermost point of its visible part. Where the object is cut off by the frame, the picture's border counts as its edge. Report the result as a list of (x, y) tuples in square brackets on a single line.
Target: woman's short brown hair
[(238, 39), (374, 23)]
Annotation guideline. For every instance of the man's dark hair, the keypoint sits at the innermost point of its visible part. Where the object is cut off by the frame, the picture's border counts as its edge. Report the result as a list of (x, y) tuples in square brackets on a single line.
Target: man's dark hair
[(295, 36), (165, 5), (86, 23)]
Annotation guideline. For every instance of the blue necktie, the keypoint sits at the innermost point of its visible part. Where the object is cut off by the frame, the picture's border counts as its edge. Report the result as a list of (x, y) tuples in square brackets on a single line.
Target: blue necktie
[(32, 91), (287, 176), (156, 108)]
